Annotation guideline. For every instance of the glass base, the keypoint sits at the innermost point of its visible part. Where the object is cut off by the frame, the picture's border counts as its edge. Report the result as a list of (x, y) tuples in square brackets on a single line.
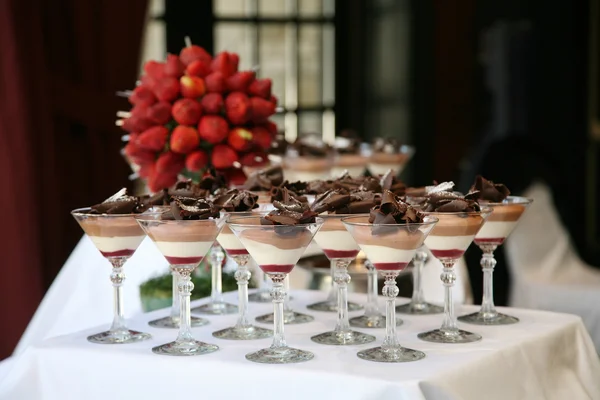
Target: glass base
[(289, 318), (398, 355), (331, 306), (375, 321), (187, 348), (480, 318), (220, 308), (458, 336), (419, 309), (286, 355), (249, 333), (169, 322), (343, 339), (260, 297), (119, 337)]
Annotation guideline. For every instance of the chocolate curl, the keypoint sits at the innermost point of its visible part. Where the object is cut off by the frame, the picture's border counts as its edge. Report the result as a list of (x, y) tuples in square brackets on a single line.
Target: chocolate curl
[(187, 208), (486, 190)]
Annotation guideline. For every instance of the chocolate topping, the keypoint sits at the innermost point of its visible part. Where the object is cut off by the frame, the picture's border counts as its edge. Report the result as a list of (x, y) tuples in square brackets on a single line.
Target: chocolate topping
[(390, 182), (386, 145), (120, 203), (484, 190), (264, 179), (441, 199), (279, 145), (341, 201), (310, 145), (289, 211), (347, 142), (190, 208), (394, 211), (370, 184), (235, 200), (188, 188)]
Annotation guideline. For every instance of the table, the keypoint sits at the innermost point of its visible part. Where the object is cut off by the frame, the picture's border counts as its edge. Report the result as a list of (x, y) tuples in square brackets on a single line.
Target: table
[(545, 356)]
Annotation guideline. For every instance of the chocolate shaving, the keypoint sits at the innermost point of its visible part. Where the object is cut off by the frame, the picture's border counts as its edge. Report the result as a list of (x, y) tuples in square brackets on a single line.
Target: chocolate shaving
[(264, 179), (120, 203), (484, 190), (289, 211), (392, 211), (236, 201), (190, 208)]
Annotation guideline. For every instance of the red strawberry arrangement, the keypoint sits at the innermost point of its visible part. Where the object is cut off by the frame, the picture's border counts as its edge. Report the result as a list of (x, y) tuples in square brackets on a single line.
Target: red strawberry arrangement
[(194, 111)]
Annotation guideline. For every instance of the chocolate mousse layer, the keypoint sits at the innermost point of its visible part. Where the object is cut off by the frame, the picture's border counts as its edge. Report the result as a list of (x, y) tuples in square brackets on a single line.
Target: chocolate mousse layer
[(457, 225), (183, 232), (111, 227), (506, 212), (300, 239)]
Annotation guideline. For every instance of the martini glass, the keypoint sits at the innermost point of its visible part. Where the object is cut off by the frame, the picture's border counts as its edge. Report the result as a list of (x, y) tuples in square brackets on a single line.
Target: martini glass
[(184, 243), (290, 317), (276, 249), (418, 305), (498, 226), (243, 329), (216, 306), (390, 247), (263, 294), (372, 318), (339, 246), (117, 237), (449, 240)]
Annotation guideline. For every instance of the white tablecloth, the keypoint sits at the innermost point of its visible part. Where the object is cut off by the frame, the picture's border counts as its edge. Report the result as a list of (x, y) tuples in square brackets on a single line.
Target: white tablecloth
[(545, 356)]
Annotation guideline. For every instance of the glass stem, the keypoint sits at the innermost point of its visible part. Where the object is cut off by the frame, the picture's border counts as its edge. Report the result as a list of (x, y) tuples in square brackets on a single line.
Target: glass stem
[(418, 262), (278, 295), (117, 276), (390, 290), (216, 262), (331, 297), (175, 302), (488, 262), (185, 287), (342, 278), (372, 307), (287, 308), (242, 276), (448, 278), (259, 277)]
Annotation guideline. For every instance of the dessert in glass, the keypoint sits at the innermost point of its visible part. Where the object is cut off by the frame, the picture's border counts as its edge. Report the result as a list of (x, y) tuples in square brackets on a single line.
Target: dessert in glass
[(237, 203), (276, 242), (261, 182), (459, 221), (309, 158), (340, 248), (112, 228), (389, 236), (389, 154), (506, 211), (184, 234), (350, 156)]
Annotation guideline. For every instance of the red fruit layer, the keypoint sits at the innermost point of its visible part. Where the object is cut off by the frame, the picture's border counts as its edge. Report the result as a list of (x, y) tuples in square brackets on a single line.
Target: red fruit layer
[(183, 260), (331, 254), (454, 253), (393, 266), (496, 241), (236, 252), (277, 268), (119, 253)]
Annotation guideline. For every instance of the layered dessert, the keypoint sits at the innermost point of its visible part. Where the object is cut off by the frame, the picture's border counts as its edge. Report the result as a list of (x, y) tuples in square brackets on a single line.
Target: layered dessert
[(349, 155), (179, 237), (278, 250), (308, 158), (459, 221), (506, 210), (389, 154), (234, 202), (118, 236)]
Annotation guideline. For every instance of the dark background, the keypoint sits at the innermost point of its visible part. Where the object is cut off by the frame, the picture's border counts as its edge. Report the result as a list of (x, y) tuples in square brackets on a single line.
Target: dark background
[(495, 87)]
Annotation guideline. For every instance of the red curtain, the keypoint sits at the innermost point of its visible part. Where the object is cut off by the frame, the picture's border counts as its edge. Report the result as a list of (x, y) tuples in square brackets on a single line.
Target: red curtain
[(60, 65)]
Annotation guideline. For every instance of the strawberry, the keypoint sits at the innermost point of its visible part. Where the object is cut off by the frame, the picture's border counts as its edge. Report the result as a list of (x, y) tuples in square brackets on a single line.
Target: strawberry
[(153, 139), (159, 113), (170, 163), (261, 109), (240, 139), (274, 100), (271, 127), (184, 139), (167, 89), (199, 68), (193, 53), (147, 170), (174, 67), (186, 111), (260, 88), (192, 86), (138, 155), (140, 110), (237, 108), (235, 176), (148, 81), (136, 123), (213, 128), (240, 81), (262, 137), (212, 103), (223, 156), (142, 95), (234, 60), (159, 181), (223, 63), (254, 159), (196, 160), (215, 82), (155, 69)]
